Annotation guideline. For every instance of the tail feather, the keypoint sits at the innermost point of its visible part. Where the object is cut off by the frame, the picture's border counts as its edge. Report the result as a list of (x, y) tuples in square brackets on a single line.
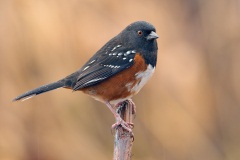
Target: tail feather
[(39, 90)]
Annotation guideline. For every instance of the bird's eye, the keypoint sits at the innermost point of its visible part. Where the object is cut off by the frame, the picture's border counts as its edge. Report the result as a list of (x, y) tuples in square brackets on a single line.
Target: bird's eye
[(140, 33)]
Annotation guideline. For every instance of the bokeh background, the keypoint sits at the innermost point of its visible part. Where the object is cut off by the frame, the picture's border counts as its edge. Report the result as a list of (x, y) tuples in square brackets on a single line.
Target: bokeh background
[(190, 109)]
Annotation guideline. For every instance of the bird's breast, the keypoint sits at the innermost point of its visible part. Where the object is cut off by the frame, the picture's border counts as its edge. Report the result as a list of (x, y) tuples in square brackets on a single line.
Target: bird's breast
[(141, 79)]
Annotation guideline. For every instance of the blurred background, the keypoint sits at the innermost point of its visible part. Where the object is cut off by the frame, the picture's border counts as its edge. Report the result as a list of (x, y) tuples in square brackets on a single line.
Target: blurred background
[(189, 110)]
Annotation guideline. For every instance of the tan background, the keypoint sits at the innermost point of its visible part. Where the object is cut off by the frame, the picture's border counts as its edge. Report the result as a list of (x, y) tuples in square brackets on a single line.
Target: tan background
[(190, 110)]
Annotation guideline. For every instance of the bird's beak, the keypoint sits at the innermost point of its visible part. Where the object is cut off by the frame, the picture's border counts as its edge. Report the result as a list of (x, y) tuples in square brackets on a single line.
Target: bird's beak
[(152, 35)]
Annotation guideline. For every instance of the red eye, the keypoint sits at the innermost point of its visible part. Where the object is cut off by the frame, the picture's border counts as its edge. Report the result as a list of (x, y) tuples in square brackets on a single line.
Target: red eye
[(139, 33)]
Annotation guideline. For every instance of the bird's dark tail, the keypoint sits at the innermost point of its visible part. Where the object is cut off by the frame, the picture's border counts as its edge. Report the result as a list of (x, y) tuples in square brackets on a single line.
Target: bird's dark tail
[(40, 90)]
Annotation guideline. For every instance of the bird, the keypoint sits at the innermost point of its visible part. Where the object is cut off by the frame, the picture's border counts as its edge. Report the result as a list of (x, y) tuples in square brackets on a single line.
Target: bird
[(116, 72)]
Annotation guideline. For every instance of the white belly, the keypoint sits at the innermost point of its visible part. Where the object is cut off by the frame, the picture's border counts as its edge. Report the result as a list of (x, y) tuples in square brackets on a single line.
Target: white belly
[(143, 77)]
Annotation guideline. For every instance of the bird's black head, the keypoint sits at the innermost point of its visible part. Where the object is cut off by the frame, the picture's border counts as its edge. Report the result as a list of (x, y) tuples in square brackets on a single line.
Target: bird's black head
[(141, 35)]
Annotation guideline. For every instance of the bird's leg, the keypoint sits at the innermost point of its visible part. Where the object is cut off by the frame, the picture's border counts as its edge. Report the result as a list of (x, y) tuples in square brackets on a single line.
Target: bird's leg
[(130, 104), (119, 120)]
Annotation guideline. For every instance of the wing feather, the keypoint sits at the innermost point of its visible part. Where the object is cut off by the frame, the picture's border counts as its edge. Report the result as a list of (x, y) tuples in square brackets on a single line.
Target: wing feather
[(100, 68)]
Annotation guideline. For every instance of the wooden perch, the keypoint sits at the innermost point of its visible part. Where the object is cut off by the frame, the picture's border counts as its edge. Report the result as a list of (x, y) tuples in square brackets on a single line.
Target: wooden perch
[(123, 139)]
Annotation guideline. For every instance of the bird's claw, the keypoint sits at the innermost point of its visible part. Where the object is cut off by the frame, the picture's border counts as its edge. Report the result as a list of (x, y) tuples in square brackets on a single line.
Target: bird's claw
[(127, 126)]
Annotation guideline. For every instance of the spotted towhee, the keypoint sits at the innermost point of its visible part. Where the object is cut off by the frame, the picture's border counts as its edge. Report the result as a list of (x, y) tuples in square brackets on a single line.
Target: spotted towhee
[(116, 72)]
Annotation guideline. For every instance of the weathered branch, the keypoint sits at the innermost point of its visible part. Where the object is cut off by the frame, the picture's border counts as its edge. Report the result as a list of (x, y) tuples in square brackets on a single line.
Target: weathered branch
[(123, 139)]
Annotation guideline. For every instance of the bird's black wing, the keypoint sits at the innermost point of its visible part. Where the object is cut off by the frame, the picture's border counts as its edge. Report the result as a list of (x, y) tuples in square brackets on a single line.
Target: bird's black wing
[(104, 64)]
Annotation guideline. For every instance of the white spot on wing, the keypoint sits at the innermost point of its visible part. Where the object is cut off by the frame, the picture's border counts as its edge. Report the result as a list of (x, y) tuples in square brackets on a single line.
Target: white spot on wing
[(92, 61), (111, 66), (113, 48), (116, 47), (85, 68), (94, 80), (130, 60)]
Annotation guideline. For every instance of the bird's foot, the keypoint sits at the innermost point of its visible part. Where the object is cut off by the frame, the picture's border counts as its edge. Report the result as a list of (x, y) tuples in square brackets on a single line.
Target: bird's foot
[(127, 126)]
